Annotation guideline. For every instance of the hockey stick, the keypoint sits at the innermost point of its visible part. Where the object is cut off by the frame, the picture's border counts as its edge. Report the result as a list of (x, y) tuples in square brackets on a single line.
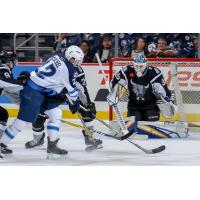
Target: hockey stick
[(96, 131), (122, 122), (147, 151), (117, 110), (90, 131), (123, 137)]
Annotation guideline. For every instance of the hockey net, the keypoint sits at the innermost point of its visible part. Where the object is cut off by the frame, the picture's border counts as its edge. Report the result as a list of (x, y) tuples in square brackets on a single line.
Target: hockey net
[(182, 75)]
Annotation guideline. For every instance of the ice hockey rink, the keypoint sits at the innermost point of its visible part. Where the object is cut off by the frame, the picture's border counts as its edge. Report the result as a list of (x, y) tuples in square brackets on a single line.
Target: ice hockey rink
[(178, 151)]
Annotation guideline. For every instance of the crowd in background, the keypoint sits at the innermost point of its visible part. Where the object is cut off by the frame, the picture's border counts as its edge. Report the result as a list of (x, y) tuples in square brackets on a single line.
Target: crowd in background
[(150, 44), (158, 45)]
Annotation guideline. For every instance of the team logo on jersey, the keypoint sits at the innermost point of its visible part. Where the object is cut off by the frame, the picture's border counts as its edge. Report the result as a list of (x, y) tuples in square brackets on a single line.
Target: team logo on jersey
[(7, 75), (139, 90)]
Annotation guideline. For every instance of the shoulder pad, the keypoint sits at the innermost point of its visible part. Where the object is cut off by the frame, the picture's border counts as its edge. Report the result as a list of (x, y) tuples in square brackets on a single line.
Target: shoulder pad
[(125, 68), (4, 67), (155, 69), (80, 69)]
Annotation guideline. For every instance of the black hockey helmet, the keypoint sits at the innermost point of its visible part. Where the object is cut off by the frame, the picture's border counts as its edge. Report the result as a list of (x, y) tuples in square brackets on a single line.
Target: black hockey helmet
[(7, 57)]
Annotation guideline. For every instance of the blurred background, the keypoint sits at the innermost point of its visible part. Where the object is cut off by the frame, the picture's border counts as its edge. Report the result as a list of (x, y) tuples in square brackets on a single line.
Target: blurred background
[(31, 47)]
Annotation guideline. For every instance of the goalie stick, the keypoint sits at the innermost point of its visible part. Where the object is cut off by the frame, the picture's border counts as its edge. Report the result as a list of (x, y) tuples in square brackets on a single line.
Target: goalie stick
[(147, 151), (117, 110), (89, 131), (122, 122), (127, 135)]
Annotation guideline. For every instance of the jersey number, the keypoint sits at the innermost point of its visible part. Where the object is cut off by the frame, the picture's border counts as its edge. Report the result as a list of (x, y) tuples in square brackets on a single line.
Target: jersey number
[(46, 71)]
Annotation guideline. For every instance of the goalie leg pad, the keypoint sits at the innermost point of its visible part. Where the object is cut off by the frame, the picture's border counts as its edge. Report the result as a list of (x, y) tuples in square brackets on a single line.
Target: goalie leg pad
[(164, 129)]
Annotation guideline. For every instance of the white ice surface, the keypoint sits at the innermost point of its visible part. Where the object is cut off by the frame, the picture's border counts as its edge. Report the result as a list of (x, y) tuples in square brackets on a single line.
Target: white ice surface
[(178, 151)]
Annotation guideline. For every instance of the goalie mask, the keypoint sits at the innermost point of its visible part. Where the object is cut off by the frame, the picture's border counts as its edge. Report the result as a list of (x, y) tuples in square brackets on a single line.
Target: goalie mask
[(74, 54), (140, 65)]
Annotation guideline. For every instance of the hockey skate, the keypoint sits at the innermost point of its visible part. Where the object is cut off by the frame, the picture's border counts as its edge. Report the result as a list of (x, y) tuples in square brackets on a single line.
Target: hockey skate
[(37, 141), (54, 151), (1, 154), (91, 142), (5, 149)]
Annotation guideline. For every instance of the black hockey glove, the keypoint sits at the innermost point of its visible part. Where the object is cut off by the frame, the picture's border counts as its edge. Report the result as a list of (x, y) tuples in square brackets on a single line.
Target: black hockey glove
[(92, 110), (90, 114), (24, 76), (75, 106)]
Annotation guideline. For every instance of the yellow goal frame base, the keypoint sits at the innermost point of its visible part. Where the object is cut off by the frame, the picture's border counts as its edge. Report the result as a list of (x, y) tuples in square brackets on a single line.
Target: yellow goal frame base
[(191, 117)]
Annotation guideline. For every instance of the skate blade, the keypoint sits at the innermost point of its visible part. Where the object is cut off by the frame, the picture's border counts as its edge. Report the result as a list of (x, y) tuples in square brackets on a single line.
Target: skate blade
[(34, 147), (5, 156), (92, 148), (52, 156)]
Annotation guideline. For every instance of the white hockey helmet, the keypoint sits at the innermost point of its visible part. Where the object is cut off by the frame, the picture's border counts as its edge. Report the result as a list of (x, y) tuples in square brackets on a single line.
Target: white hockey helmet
[(140, 65), (75, 53)]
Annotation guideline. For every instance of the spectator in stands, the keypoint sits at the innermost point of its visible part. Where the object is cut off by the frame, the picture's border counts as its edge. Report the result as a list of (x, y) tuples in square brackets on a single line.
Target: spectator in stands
[(106, 50), (65, 40), (162, 50), (182, 42), (88, 55), (194, 52), (94, 40), (61, 43), (139, 47)]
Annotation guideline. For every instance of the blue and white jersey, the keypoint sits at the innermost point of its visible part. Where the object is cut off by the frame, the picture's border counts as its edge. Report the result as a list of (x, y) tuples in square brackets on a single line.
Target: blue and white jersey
[(54, 75)]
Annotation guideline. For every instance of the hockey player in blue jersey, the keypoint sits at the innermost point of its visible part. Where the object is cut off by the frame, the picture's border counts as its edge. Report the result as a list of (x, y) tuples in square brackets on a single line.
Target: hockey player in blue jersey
[(88, 117), (58, 72)]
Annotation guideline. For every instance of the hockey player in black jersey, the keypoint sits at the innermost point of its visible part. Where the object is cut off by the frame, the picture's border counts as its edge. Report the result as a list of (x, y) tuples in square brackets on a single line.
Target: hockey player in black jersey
[(81, 85), (146, 86), (7, 61)]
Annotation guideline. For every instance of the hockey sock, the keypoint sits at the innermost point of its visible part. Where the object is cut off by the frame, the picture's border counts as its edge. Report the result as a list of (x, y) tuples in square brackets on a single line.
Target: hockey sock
[(90, 125), (10, 132), (53, 130), (37, 133)]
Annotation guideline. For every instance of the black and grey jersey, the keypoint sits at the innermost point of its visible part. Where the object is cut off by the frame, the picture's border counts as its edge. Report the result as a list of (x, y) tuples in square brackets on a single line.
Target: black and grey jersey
[(8, 85), (6, 78), (82, 84), (142, 90)]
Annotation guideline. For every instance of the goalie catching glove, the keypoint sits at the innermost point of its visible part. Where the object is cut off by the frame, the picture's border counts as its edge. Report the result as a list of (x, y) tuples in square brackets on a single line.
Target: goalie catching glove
[(167, 108)]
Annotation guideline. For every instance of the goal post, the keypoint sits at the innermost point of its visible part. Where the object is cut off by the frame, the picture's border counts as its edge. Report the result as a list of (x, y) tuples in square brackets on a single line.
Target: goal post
[(182, 75)]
